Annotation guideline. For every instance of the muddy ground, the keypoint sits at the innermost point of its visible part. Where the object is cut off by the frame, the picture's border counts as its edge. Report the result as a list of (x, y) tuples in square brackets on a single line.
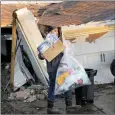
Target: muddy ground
[(104, 101)]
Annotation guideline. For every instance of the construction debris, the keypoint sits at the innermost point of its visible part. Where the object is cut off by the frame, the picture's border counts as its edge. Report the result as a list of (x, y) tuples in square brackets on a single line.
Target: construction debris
[(40, 97), (31, 99), (29, 95)]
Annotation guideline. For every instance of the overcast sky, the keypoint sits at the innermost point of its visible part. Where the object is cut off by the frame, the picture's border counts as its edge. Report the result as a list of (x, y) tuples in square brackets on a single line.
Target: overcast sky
[(14, 2)]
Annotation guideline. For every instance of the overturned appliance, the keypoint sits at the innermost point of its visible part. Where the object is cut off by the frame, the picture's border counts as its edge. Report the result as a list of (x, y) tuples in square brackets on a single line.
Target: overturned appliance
[(27, 65)]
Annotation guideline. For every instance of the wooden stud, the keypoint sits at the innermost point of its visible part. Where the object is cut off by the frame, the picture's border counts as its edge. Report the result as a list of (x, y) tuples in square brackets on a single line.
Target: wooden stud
[(13, 51)]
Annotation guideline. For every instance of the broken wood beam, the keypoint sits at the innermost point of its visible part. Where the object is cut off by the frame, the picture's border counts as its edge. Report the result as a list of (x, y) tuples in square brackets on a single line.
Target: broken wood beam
[(13, 50)]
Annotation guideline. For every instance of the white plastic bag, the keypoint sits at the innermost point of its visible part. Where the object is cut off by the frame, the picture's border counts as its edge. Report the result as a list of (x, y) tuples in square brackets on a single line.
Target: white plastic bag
[(68, 45), (70, 74)]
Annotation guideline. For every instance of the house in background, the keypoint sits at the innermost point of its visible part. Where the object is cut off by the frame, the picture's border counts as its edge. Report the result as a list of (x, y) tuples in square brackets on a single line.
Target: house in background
[(97, 53), (93, 50)]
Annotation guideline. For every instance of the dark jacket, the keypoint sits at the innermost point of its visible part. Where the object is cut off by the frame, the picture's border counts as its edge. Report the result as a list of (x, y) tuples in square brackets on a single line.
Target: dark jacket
[(53, 65)]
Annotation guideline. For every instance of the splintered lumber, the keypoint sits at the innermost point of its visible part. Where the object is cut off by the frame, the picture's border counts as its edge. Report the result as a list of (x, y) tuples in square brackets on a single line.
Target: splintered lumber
[(13, 51)]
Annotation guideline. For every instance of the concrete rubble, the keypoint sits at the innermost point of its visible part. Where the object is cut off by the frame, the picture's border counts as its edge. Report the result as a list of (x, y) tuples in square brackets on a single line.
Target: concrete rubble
[(30, 94), (103, 103)]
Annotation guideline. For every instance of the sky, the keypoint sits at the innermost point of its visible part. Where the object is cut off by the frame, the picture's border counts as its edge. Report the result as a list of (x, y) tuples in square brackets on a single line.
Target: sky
[(14, 2)]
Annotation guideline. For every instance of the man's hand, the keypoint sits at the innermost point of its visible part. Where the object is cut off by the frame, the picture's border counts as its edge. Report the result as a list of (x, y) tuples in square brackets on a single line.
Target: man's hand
[(41, 56)]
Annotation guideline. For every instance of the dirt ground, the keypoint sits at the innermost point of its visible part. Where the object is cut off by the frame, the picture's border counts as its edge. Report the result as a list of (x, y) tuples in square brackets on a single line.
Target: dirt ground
[(104, 102)]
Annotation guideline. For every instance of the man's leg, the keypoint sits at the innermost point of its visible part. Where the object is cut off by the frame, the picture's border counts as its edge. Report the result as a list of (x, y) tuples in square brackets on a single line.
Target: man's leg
[(70, 108), (51, 96), (68, 98)]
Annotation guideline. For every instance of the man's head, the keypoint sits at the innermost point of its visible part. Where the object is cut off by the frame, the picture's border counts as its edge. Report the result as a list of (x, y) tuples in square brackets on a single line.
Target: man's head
[(53, 30)]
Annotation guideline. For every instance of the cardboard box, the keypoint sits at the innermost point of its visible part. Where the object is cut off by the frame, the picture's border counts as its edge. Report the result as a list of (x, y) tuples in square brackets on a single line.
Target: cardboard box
[(52, 52)]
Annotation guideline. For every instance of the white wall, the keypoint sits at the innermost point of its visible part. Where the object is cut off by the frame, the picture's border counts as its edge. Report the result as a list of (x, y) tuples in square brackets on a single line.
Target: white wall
[(89, 55)]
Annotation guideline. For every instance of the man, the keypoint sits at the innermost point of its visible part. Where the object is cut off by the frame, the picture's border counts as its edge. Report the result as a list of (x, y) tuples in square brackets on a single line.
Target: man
[(52, 67)]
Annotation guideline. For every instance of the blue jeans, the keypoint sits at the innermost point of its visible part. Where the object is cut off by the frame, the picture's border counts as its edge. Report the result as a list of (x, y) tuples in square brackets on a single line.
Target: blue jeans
[(51, 96)]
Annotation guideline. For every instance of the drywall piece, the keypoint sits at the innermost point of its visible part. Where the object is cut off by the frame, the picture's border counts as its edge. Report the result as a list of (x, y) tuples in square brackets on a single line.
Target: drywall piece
[(19, 78), (33, 38), (21, 73)]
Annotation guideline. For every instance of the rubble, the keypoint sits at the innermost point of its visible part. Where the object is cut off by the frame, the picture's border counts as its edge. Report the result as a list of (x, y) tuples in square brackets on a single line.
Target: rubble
[(31, 99), (29, 95), (22, 88), (38, 87), (45, 93), (32, 92), (20, 95), (40, 96), (27, 91), (12, 96)]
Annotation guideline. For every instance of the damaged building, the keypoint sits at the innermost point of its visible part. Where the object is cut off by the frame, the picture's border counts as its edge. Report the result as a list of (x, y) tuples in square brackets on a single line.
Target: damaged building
[(89, 26), (71, 16)]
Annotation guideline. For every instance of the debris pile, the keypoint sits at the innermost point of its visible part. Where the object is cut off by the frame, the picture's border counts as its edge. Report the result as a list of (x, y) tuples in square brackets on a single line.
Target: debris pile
[(30, 94)]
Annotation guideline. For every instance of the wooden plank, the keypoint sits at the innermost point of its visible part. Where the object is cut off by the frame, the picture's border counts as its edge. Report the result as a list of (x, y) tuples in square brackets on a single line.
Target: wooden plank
[(13, 52), (52, 52)]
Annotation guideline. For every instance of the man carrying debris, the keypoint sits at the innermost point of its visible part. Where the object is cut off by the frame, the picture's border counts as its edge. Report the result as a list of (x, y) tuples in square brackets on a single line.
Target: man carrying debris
[(52, 70)]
